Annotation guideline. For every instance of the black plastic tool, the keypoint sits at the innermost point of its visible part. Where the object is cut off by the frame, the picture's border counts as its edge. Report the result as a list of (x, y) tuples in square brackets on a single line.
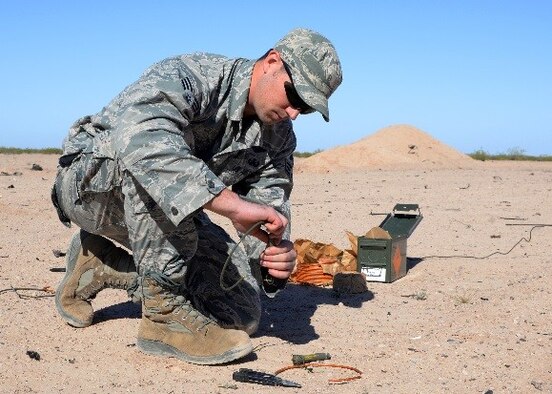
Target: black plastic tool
[(251, 376)]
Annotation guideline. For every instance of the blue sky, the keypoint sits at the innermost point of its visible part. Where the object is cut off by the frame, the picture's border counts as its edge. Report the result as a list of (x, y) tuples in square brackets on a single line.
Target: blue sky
[(473, 74)]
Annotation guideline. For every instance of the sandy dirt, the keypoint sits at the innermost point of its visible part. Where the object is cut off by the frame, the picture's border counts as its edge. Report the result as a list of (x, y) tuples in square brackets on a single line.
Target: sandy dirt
[(460, 322)]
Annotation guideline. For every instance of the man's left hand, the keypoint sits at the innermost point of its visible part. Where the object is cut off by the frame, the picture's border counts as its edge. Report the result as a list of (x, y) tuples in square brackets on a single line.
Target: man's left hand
[(279, 259)]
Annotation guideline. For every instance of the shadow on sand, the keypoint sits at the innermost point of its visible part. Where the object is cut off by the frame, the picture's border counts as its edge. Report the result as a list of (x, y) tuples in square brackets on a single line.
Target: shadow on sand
[(288, 315), (411, 262), (123, 310)]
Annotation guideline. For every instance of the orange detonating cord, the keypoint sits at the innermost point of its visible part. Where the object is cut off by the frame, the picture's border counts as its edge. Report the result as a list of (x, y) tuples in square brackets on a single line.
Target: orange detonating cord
[(312, 274), (334, 381)]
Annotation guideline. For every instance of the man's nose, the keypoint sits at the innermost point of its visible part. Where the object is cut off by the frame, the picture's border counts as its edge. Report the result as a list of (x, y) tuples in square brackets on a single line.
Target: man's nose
[(292, 113)]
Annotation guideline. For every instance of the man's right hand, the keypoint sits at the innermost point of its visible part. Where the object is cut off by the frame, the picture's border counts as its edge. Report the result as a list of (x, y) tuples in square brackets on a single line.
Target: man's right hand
[(244, 214)]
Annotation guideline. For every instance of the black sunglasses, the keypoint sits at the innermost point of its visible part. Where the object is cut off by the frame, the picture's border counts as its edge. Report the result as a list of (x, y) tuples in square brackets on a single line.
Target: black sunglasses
[(293, 97), (295, 100)]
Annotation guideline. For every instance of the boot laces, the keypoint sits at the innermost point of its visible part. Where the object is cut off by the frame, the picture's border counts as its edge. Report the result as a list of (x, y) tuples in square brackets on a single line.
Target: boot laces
[(90, 291), (180, 303)]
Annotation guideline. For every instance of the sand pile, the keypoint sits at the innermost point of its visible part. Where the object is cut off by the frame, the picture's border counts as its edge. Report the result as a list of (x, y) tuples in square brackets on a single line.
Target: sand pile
[(393, 147)]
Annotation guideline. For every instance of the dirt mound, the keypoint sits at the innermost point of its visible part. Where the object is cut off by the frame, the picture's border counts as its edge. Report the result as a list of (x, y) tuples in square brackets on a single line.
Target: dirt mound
[(393, 147)]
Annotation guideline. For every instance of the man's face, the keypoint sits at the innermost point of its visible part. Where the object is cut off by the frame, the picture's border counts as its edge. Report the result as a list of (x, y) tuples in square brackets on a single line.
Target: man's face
[(273, 97)]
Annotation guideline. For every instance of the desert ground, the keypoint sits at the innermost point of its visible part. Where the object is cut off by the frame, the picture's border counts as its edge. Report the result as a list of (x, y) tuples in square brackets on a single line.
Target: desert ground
[(472, 315)]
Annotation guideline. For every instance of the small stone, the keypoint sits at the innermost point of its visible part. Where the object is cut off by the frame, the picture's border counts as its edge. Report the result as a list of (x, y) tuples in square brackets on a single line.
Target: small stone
[(34, 355), (58, 253), (350, 282)]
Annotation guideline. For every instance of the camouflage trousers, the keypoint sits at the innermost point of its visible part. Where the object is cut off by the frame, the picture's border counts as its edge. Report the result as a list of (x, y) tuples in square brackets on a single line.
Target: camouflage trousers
[(193, 254)]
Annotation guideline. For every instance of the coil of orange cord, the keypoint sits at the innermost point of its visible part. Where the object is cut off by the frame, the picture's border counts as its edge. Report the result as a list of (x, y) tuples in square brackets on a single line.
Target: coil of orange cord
[(311, 274)]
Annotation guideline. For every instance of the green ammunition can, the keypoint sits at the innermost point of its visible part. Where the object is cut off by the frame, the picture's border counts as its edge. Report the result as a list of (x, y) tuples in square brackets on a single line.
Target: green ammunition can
[(383, 259)]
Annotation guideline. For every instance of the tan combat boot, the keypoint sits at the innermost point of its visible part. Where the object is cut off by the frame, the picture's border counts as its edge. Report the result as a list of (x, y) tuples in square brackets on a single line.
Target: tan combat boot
[(93, 264), (172, 327)]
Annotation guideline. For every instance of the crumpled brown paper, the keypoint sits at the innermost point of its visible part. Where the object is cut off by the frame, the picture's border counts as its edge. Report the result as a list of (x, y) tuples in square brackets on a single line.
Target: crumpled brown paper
[(317, 263)]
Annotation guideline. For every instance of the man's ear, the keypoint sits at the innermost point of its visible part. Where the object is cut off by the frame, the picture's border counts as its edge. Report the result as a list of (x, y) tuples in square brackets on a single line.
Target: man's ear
[(272, 59), (274, 55)]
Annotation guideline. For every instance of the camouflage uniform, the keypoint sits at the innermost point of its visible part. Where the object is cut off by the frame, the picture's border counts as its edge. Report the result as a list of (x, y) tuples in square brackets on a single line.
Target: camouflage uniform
[(140, 171)]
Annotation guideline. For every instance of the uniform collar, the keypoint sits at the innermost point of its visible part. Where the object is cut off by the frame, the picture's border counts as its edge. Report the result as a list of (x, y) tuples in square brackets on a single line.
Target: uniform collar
[(240, 89)]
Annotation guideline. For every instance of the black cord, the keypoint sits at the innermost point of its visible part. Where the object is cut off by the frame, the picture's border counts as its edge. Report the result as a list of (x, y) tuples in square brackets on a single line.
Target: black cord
[(489, 255), (221, 278)]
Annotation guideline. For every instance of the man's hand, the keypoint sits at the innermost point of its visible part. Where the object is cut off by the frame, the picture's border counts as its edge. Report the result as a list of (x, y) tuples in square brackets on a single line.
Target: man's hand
[(244, 214), (279, 259)]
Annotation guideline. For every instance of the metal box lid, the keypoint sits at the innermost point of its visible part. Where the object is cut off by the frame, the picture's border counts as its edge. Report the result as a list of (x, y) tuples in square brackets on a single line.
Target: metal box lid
[(402, 221)]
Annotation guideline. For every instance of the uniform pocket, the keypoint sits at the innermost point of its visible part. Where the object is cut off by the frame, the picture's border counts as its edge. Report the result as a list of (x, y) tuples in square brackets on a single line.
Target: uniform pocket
[(233, 166), (101, 173)]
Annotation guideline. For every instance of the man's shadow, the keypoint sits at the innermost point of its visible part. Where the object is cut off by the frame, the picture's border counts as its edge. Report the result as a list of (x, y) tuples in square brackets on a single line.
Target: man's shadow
[(288, 315)]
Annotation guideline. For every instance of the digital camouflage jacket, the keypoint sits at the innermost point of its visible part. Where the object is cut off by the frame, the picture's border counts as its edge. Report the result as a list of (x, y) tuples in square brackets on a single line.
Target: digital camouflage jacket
[(179, 130)]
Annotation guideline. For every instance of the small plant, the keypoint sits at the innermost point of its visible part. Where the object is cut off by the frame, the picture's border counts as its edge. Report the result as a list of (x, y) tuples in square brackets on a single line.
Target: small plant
[(516, 153), (479, 154), (464, 298), (420, 295)]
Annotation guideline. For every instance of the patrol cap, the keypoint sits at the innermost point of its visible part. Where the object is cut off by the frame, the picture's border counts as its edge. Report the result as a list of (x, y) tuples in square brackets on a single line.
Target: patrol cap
[(314, 65)]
